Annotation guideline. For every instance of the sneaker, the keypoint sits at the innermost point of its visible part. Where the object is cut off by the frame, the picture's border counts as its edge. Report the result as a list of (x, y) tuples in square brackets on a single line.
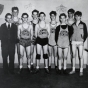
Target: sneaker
[(59, 72), (49, 67), (20, 71), (47, 70), (72, 72), (36, 70), (56, 68), (29, 70), (65, 72), (81, 74), (32, 67)]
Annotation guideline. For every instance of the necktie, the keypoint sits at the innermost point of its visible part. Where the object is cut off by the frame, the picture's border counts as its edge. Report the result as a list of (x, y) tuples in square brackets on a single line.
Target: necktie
[(8, 26)]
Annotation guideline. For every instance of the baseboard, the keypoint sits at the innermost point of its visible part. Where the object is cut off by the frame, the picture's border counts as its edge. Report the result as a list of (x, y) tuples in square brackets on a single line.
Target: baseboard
[(42, 65)]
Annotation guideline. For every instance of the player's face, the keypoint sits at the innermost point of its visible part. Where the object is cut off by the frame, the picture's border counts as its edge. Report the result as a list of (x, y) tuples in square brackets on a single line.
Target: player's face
[(70, 14), (63, 19), (78, 18), (42, 17), (9, 18), (35, 15), (53, 17), (15, 13), (25, 18)]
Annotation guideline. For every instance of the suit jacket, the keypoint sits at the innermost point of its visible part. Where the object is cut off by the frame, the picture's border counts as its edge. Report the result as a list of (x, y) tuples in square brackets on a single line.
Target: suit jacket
[(5, 33)]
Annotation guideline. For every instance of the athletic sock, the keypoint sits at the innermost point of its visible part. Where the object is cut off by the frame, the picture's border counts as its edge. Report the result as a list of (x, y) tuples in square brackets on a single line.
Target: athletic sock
[(64, 68), (31, 63), (81, 69), (73, 69), (60, 67), (37, 67), (21, 66), (29, 66), (46, 67)]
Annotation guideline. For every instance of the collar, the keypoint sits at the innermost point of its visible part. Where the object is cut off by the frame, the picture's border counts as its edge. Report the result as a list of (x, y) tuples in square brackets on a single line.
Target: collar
[(80, 22), (8, 24)]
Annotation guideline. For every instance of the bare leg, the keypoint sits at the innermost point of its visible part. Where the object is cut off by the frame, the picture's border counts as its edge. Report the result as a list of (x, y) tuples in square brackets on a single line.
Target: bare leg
[(55, 55), (73, 59), (45, 56), (60, 58), (50, 55), (28, 56), (65, 57), (21, 56), (38, 53), (32, 53), (45, 49), (81, 59), (18, 52)]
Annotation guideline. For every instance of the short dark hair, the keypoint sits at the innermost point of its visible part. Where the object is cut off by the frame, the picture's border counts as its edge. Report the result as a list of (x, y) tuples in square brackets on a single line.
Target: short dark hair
[(35, 11), (79, 13), (42, 13), (62, 14), (25, 14), (7, 15), (71, 10), (15, 8), (53, 12)]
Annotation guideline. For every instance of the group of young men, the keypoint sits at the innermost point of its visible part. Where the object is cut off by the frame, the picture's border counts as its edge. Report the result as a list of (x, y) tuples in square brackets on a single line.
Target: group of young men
[(53, 38)]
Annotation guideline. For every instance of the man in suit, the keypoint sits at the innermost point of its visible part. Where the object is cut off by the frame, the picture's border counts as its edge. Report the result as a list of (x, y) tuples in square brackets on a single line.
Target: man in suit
[(8, 36)]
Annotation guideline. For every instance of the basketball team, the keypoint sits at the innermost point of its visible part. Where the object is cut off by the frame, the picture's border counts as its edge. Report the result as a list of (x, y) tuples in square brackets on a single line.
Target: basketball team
[(53, 38)]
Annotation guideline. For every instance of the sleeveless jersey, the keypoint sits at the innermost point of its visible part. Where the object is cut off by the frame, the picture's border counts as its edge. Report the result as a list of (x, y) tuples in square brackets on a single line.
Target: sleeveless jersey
[(25, 34), (52, 35), (42, 33), (63, 38)]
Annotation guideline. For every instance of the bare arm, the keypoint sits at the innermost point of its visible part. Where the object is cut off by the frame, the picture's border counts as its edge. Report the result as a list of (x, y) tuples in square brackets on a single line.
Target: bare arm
[(36, 30), (19, 30), (31, 29), (48, 29)]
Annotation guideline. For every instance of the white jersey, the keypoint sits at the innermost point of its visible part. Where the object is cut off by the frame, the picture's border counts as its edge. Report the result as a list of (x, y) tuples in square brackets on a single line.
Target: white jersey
[(42, 32), (52, 34), (25, 31), (63, 38)]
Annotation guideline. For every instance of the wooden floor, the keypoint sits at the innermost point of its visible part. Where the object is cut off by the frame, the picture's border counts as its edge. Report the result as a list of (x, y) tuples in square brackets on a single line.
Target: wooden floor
[(43, 80)]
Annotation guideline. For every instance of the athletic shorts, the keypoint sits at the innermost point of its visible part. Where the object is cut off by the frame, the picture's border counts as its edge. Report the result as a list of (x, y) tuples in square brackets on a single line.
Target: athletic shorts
[(25, 42), (77, 43), (52, 45), (42, 41)]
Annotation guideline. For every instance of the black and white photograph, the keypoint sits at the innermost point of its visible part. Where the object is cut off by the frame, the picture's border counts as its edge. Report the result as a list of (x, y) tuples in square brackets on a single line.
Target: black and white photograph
[(43, 43)]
